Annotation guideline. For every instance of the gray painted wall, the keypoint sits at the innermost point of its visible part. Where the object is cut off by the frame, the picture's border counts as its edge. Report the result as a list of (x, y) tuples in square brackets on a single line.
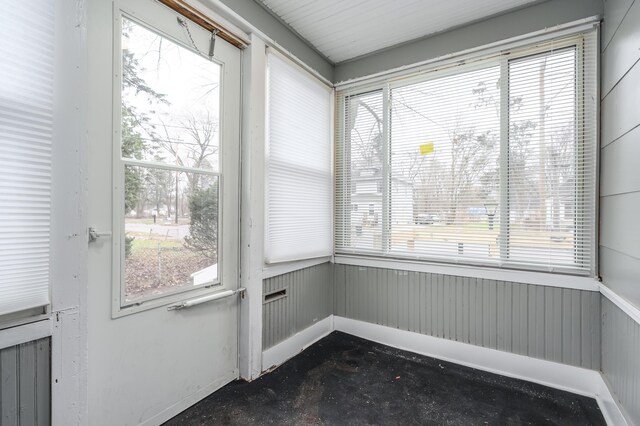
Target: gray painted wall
[(620, 150), (621, 357), (281, 34), (620, 198), (555, 324), (25, 384), (309, 299), (539, 16)]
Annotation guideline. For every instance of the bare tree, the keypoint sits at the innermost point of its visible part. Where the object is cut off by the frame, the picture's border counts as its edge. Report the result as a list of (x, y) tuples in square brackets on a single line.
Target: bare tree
[(192, 144)]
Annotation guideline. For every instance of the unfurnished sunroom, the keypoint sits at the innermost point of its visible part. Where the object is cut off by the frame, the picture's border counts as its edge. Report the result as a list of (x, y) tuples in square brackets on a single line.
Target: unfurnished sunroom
[(319, 212)]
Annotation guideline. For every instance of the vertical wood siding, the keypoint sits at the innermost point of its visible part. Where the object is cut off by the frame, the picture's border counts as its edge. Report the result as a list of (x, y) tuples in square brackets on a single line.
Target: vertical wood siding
[(554, 324), (309, 299), (25, 384), (621, 357)]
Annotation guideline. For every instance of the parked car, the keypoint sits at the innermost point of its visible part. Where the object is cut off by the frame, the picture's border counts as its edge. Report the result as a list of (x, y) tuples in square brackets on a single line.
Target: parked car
[(424, 219)]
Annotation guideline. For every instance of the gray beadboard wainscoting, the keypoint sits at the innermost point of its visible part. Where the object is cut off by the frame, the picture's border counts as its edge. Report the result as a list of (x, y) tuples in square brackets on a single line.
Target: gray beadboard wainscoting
[(550, 323), (25, 384), (621, 357), (295, 301), (574, 327)]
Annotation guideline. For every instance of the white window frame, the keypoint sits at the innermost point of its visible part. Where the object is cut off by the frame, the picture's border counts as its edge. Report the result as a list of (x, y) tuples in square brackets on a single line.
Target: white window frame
[(481, 57), (119, 307)]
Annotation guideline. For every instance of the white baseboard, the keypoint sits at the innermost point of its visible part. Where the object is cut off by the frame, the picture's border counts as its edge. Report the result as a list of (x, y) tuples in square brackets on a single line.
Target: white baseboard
[(560, 376), (569, 378), (295, 344)]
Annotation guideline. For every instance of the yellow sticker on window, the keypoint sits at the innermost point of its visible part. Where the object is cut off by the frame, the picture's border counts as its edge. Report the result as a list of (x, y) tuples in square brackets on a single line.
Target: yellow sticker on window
[(426, 148)]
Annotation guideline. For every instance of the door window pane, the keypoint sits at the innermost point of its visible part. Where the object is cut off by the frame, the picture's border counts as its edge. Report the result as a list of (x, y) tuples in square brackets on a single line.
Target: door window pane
[(170, 115), (170, 101), (171, 231)]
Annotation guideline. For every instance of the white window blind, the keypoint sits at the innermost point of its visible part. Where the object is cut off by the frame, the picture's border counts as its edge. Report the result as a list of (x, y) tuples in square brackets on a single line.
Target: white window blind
[(26, 103), (299, 186), (488, 162)]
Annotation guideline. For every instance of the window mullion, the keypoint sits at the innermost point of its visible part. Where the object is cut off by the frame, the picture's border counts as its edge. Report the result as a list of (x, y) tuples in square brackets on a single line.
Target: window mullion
[(503, 237), (386, 169)]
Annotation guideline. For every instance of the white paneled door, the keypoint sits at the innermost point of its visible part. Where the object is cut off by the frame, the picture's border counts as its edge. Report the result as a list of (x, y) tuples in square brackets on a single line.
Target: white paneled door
[(164, 123)]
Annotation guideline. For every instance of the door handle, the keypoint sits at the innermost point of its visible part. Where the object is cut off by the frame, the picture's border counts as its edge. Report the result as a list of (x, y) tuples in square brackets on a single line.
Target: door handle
[(94, 234)]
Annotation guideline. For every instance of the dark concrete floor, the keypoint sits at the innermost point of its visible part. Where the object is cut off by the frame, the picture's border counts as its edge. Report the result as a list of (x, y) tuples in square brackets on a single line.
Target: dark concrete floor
[(345, 380)]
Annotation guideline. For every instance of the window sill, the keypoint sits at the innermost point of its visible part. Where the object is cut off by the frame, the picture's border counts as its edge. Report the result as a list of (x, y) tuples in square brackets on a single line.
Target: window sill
[(273, 270), (38, 328), (524, 277)]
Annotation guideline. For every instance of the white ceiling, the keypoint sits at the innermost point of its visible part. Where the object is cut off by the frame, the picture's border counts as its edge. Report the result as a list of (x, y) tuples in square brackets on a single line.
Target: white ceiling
[(345, 29)]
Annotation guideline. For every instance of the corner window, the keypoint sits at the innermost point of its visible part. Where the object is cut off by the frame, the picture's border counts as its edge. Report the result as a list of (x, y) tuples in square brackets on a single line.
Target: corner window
[(490, 162)]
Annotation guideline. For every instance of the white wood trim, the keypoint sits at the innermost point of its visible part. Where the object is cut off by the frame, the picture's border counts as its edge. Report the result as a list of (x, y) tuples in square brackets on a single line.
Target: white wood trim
[(270, 271), (569, 378), (525, 277), (621, 303), (25, 333), (275, 356), (252, 206), (577, 380)]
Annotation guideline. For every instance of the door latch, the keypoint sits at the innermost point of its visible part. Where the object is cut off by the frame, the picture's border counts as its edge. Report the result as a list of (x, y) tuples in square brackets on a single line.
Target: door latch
[(94, 235)]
